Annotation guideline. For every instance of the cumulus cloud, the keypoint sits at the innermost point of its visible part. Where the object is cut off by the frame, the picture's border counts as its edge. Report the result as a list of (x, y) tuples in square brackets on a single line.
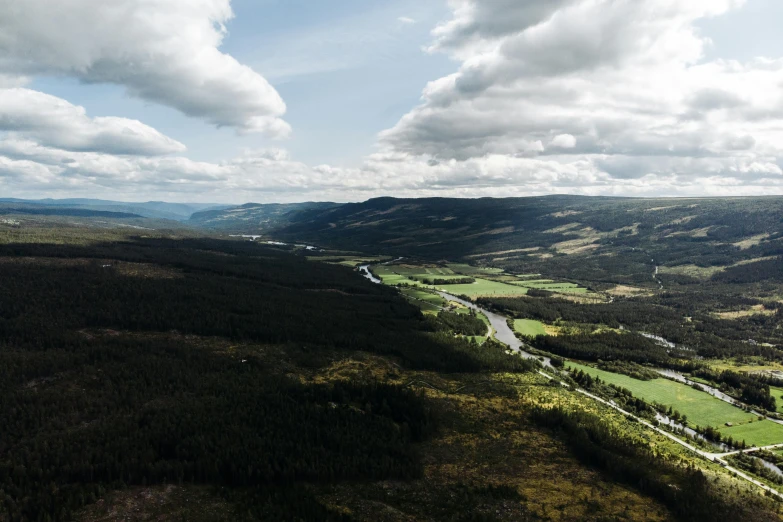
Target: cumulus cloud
[(563, 141), (165, 52), (54, 122), (406, 20), (618, 86)]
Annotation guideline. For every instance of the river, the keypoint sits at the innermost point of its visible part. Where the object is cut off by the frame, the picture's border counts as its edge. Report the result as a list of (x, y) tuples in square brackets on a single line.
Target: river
[(365, 271), (499, 323)]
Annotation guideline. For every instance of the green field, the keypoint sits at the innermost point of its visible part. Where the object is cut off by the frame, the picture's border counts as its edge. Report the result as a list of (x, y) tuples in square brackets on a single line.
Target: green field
[(778, 394), (396, 275), (422, 271), (702, 409), (493, 283), (474, 270), (529, 327), (427, 301), (758, 433), (484, 287), (390, 277)]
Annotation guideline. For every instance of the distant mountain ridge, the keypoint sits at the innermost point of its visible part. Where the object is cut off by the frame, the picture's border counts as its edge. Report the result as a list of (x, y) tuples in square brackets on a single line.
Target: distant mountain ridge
[(257, 217), (526, 229), (149, 209)]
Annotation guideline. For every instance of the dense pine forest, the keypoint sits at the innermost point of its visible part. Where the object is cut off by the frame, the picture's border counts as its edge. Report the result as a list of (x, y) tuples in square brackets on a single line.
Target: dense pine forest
[(149, 361)]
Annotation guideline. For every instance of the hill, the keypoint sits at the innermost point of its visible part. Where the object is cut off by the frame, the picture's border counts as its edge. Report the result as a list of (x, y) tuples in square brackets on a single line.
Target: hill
[(149, 209), (622, 239), (254, 218)]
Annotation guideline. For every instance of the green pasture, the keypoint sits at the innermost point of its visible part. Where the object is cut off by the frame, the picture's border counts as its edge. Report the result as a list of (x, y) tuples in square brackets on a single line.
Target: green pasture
[(701, 408), (757, 433), (529, 327), (390, 277), (484, 288), (394, 275), (778, 394)]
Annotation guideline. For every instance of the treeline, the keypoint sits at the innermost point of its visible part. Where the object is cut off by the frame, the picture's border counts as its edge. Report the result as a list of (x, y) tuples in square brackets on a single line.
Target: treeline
[(630, 369), (747, 388), (449, 281), (685, 491), (629, 313), (622, 397), (610, 346), (462, 324), (683, 318), (755, 466)]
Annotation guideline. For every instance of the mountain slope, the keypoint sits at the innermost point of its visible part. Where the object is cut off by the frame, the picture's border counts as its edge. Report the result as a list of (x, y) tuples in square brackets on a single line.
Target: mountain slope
[(253, 218), (149, 209)]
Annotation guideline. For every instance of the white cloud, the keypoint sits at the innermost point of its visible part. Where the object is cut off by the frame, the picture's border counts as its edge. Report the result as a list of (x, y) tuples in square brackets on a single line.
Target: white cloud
[(563, 141), (161, 51), (406, 20), (270, 175), (54, 122), (619, 87)]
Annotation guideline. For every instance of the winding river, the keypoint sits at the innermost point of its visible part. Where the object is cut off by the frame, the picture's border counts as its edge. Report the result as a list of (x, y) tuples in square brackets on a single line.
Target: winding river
[(499, 323)]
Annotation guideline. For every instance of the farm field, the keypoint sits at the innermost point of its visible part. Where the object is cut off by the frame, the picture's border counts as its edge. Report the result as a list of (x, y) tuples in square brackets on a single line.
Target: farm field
[(390, 277), (398, 275), (483, 287), (702, 409), (758, 433), (551, 285), (489, 282), (422, 271), (529, 327), (474, 271)]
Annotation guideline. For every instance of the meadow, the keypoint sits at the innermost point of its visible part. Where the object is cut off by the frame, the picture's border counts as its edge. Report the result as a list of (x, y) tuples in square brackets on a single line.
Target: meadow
[(489, 282), (529, 327), (701, 409), (483, 288), (759, 433), (401, 275), (778, 394)]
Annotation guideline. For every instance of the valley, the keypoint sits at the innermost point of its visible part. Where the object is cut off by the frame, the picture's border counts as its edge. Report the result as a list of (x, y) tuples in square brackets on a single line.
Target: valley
[(525, 381)]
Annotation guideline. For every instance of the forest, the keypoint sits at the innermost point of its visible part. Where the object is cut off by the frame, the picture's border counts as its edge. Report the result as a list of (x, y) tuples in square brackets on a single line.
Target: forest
[(175, 361), (685, 491)]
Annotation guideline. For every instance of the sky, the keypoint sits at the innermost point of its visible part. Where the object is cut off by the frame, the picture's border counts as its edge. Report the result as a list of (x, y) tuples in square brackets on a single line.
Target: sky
[(343, 100)]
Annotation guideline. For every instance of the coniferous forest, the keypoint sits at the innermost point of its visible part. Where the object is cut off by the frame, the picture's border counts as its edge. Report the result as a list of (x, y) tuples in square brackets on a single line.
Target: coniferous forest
[(162, 361)]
